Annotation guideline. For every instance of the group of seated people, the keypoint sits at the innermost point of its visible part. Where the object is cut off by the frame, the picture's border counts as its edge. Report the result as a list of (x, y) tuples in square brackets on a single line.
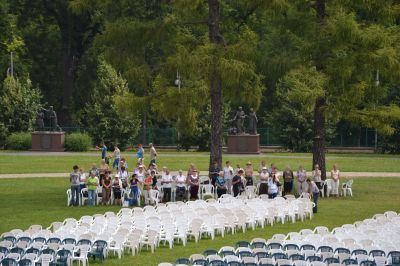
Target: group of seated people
[(141, 180)]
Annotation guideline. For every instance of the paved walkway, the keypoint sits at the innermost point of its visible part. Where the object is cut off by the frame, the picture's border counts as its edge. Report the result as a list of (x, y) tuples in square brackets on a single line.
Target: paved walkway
[(65, 175)]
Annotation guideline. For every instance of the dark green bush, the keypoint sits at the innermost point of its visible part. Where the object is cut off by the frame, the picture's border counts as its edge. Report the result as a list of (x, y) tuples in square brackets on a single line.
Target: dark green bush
[(19, 141), (77, 142)]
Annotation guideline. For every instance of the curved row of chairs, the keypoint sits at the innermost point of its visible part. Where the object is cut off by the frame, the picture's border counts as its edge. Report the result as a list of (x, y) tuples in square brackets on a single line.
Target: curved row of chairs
[(372, 242), (133, 229)]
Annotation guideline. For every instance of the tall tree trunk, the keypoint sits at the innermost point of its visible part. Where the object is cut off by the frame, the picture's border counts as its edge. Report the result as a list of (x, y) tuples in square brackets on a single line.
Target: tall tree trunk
[(69, 63), (319, 109), (319, 136), (215, 86)]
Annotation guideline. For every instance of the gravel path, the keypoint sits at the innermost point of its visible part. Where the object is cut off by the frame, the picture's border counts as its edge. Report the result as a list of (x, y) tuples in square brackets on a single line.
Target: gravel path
[(66, 175)]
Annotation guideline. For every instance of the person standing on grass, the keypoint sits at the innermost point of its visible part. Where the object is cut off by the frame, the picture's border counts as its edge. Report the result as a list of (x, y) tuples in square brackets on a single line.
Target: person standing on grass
[(315, 193), (335, 175), (194, 183), (123, 175), (166, 182), (75, 186), (220, 184), (316, 175), (288, 178), (133, 184), (106, 190), (153, 154), (248, 174), (140, 154), (103, 149), (180, 186), (92, 183), (264, 176), (82, 181), (117, 157), (228, 175), (302, 185), (214, 172), (146, 189), (237, 185), (117, 190)]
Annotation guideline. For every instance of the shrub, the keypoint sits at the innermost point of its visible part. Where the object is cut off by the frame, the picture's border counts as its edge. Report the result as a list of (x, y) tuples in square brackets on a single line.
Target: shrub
[(77, 142), (19, 141)]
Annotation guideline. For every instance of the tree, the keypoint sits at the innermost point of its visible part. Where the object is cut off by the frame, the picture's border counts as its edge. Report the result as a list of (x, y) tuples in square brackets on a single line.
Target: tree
[(19, 104), (100, 115)]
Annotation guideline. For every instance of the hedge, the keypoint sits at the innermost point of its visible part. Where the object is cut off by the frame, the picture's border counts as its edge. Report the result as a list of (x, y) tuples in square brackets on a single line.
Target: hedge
[(77, 142), (19, 141)]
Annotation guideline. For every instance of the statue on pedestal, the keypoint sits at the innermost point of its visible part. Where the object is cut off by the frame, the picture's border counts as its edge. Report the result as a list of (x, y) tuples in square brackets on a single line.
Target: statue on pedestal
[(252, 122), (239, 120), (52, 115)]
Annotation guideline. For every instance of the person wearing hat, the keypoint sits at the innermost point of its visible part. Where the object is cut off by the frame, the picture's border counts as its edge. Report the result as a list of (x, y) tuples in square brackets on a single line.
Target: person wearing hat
[(117, 189), (264, 176), (288, 178), (180, 180), (248, 174), (194, 184), (237, 185)]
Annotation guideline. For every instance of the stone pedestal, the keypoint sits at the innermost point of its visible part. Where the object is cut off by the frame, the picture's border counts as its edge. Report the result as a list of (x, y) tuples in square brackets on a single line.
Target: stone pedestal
[(244, 144), (48, 141)]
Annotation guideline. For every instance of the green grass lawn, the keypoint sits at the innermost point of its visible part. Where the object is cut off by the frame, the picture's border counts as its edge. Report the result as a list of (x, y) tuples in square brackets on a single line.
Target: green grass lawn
[(24, 202), (13, 164)]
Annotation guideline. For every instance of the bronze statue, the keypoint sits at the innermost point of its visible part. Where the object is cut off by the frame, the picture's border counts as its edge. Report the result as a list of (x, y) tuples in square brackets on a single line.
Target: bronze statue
[(52, 118), (40, 120), (239, 120), (252, 122)]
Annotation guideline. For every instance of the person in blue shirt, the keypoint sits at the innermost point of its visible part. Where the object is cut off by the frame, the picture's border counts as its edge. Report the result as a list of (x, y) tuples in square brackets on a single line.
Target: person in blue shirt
[(140, 154), (103, 149), (220, 184)]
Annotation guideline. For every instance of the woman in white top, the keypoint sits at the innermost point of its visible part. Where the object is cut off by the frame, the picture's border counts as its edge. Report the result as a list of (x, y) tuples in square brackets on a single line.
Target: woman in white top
[(302, 185), (166, 182), (180, 180), (316, 175), (335, 175)]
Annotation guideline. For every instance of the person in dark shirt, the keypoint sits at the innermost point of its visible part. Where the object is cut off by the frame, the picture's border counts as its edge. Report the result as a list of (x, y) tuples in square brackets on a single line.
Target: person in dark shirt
[(237, 184), (214, 173)]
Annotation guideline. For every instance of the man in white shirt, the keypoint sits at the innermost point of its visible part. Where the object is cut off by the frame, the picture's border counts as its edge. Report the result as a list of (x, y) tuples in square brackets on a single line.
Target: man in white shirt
[(117, 156), (228, 175), (166, 182), (180, 180), (153, 153)]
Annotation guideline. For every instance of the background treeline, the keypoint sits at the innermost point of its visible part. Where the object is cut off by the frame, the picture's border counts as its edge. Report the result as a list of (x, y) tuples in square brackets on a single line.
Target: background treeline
[(110, 67)]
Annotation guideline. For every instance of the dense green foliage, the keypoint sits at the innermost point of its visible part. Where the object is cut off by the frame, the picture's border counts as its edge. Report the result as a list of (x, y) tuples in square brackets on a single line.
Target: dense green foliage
[(19, 103), (19, 141), (78, 142), (100, 116), (273, 55)]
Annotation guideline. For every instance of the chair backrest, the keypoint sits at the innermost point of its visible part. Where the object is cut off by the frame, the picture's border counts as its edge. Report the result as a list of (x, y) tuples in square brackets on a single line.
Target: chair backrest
[(377, 252), (242, 243), (25, 262), (182, 261), (209, 252), (349, 262), (313, 258), (9, 262)]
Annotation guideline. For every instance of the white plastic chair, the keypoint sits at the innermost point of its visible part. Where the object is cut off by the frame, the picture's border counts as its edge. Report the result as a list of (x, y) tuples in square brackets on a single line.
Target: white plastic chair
[(83, 197), (328, 184), (154, 196), (83, 254), (207, 190), (347, 188), (69, 197)]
